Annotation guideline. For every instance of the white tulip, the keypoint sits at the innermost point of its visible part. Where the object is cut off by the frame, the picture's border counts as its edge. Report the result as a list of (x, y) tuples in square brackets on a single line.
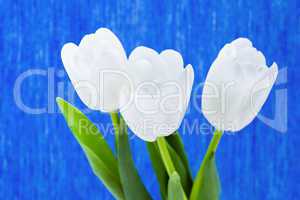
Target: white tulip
[(160, 90), (94, 68), (237, 85)]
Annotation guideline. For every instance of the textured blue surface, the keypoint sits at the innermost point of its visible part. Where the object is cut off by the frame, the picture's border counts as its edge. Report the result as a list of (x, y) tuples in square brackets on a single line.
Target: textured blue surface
[(39, 158)]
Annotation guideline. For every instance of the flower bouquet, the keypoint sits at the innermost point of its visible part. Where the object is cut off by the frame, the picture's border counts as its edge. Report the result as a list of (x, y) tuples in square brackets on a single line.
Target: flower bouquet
[(149, 92)]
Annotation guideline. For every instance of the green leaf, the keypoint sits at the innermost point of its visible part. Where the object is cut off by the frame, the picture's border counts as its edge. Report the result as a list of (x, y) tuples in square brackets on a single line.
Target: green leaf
[(176, 143), (175, 191), (97, 151), (132, 184), (207, 184), (159, 168), (186, 180)]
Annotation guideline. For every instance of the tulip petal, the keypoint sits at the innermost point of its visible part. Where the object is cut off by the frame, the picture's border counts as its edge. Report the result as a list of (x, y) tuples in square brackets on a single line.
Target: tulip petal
[(261, 59), (159, 66), (158, 110), (79, 76), (174, 61), (142, 114), (69, 55), (259, 94), (241, 43), (142, 52), (140, 71), (96, 69), (107, 35)]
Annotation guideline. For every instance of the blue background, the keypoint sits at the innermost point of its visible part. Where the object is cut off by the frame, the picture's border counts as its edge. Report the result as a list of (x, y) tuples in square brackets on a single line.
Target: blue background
[(40, 159)]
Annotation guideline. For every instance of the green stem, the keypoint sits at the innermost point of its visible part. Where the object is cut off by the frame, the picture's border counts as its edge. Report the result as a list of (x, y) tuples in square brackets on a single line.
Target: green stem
[(213, 145), (116, 123), (215, 141), (162, 145), (164, 152)]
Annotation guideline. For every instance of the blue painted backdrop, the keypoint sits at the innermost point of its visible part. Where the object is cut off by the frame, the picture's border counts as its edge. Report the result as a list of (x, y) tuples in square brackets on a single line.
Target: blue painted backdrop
[(39, 158)]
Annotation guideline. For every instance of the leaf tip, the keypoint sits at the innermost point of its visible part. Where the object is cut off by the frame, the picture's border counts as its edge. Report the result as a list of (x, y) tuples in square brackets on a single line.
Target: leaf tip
[(59, 100), (175, 176)]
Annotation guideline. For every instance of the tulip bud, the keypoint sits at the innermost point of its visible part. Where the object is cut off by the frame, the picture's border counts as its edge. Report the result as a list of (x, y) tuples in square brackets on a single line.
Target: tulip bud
[(95, 68), (237, 85), (160, 90)]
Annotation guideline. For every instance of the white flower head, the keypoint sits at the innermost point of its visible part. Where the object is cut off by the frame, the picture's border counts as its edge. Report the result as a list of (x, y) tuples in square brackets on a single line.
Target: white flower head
[(95, 67), (237, 85), (160, 90), (151, 90)]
